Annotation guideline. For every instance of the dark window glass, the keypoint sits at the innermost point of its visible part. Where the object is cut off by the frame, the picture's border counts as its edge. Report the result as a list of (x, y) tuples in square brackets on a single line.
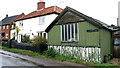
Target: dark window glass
[(62, 33), (68, 31), (44, 35), (65, 32), (72, 30), (38, 34), (76, 32)]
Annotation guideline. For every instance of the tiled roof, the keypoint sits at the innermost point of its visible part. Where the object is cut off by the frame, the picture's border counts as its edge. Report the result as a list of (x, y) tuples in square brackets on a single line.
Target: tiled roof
[(20, 16), (7, 20), (42, 12), (0, 23)]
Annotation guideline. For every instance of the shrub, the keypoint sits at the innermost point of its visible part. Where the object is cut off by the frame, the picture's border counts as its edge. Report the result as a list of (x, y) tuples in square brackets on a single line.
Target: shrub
[(26, 39), (39, 44), (50, 52), (38, 40)]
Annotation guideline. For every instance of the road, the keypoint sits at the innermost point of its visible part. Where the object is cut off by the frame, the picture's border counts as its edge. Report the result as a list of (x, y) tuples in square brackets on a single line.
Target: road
[(6, 60), (12, 59)]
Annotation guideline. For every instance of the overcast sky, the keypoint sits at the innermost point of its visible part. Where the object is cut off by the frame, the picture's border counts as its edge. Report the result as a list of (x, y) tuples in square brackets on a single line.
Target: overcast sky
[(104, 10)]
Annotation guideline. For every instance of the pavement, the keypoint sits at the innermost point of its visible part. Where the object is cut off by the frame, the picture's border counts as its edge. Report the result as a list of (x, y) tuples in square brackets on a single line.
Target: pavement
[(41, 61)]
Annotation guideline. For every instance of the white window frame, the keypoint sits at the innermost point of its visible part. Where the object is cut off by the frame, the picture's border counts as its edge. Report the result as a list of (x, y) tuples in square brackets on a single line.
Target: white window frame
[(4, 27), (7, 26), (41, 19), (21, 23), (74, 32), (12, 26), (6, 36)]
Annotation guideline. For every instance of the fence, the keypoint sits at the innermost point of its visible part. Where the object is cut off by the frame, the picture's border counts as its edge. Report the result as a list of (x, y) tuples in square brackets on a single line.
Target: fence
[(26, 46), (89, 54), (116, 53), (3, 42)]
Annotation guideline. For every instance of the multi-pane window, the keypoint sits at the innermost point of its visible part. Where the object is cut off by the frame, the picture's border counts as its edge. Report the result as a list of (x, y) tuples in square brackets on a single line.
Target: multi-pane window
[(41, 20), (7, 26), (6, 35), (3, 27), (12, 26), (69, 32), (21, 23), (117, 41)]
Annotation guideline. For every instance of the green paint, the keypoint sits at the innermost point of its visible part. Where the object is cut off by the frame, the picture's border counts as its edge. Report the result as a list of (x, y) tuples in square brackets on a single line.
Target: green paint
[(54, 35), (105, 42), (101, 39), (88, 38)]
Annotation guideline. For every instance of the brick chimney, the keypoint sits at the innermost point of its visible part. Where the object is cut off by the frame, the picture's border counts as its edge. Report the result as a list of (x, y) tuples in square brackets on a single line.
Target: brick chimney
[(6, 15), (40, 5)]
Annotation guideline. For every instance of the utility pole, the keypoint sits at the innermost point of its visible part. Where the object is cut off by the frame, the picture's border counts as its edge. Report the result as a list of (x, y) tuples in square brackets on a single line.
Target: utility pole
[(118, 22)]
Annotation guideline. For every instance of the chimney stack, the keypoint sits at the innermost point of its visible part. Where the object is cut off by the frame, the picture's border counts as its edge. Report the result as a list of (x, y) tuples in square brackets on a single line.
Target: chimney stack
[(40, 5), (6, 15)]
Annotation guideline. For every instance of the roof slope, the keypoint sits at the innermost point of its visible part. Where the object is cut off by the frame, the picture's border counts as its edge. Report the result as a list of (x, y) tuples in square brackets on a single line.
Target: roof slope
[(7, 20), (0, 23), (20, 17), (82, 16), (41, 12)]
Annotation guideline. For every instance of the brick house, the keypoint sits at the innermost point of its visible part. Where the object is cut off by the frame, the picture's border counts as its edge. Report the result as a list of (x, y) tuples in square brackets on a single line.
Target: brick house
[(5, 26)]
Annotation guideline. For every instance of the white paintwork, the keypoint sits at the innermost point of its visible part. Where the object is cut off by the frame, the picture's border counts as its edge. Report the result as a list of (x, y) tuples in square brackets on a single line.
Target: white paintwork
[(12, 34), (90, 54), (31, 26)]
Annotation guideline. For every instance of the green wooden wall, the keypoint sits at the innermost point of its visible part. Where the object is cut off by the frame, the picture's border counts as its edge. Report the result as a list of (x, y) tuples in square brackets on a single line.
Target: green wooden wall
[(102, 38), (54, 35), (105, 42)]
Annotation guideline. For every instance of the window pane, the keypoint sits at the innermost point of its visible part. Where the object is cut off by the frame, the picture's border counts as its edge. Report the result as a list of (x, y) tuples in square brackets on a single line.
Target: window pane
[(68, 31), (44, 35), (72, 31), (6, 35), (41, 19), (65, 32), (76, 32), (62, 33)]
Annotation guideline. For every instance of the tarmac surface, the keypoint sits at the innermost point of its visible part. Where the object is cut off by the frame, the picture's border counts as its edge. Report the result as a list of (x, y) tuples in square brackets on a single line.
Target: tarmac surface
[(13, 59)]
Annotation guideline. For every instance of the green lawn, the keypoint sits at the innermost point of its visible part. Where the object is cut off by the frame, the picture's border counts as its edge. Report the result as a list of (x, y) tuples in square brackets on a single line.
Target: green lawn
[(62, 58)]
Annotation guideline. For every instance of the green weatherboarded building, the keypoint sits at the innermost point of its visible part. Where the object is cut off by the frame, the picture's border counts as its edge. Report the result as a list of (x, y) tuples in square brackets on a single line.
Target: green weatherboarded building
[(77, 35)]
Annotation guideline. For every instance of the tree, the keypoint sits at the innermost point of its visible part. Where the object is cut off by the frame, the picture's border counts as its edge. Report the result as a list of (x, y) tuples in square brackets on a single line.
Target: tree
[(17, 31)]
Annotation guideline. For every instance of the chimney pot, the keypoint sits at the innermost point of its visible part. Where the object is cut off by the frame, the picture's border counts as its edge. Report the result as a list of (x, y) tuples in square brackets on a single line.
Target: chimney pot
[(6, 15)]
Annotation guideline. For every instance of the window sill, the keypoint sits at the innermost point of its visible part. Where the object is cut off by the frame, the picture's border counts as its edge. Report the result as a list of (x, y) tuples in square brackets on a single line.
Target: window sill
[(69, 41), (41, 24)]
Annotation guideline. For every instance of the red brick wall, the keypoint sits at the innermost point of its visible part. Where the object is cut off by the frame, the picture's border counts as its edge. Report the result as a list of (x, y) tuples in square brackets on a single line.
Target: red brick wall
[(7, 31)]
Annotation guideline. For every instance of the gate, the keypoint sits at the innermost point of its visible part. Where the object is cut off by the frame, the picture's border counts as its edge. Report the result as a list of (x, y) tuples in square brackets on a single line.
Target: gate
[(116, 53)]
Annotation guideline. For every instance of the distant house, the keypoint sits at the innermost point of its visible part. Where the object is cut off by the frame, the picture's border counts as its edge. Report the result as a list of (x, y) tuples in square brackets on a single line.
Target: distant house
[(80, 36), (116, 37), (13, 28), (35, 23), (5, 26)]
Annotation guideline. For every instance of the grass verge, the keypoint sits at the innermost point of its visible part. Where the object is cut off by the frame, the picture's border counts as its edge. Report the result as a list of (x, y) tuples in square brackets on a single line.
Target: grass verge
[(57, 57)]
